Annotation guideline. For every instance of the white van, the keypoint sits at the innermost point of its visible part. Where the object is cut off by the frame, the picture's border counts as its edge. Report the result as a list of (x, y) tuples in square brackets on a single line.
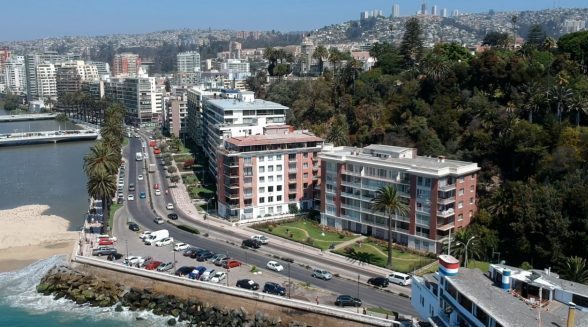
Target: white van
[(399, 278), (156, 236)]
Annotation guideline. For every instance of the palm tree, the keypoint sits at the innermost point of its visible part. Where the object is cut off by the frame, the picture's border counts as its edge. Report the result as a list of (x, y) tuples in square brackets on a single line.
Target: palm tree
[(533, 98), (102, 185), (575, 269), (101, 159), (459, 241), (435, 67), (579, 105), (388, 201), (339, 131), (320, 53), (561, 96)]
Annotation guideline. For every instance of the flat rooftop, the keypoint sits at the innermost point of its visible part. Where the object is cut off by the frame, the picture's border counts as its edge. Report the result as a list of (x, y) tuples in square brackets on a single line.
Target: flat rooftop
[(267, 139), (235, 104)]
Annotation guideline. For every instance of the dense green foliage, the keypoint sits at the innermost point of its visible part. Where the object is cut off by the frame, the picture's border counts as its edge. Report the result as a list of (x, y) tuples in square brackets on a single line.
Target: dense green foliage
[(520, 115)]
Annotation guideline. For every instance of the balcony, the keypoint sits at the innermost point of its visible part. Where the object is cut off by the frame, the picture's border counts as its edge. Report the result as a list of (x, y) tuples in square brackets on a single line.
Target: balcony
[(446, 187), (446, 227), (446, 213), (315, 168), (446, 201), (247, 195), (292, 170)]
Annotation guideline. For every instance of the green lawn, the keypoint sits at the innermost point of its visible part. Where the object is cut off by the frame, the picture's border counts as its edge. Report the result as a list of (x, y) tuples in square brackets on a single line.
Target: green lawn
[(301, 229), (113, 208), (125, 141), (401, 261)]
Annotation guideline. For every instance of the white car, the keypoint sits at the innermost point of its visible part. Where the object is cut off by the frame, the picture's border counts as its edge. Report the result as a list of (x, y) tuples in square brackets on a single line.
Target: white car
[(140, 177), (274, 265), (145, 234), (133, 261), (170, 206), (181, 246), (131, 197), (262, 239), (158, 192), (218, 277), (121, 184), (165, 241)]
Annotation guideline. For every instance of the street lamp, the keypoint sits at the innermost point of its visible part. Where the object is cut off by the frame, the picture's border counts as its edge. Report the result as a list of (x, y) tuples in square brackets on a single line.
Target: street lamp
[(466, 250)]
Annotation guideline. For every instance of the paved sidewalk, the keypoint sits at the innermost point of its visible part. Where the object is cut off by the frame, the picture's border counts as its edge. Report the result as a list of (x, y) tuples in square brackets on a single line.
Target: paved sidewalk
[(350, 242)]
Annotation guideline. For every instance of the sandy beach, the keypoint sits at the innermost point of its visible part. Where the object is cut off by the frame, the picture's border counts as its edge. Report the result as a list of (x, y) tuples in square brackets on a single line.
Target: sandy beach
[(27, 235)]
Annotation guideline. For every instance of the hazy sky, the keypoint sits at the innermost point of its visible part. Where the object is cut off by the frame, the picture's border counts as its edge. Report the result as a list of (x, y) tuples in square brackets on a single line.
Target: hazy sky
[(32, 19)]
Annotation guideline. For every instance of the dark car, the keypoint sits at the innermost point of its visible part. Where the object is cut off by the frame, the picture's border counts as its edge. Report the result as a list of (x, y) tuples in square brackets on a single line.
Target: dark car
[(103, 250), (274, 288), (172, 216), (189, 251), (197, 253), (197, 272), (378, 281), (347, 301), (183, 271), (134, 227), (247, 284), (120, 200), (251, 243), (115, 256), (204, 255)]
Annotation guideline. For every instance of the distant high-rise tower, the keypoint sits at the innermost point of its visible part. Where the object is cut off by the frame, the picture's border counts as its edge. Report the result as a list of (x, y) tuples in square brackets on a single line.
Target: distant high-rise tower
[(455, 13), (424, 8), (395, 10), (444, 12), (126, 65), (188, 67), (434, 10)]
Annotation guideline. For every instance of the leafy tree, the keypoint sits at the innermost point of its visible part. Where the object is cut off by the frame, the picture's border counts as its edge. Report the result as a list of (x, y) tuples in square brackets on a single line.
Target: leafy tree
[(536, 36), (339, 131), (11, 101), (576, 44), (574, 269), (174, 179), (388, 201), (411, 47), (100, 159), (459, 240), (496, 39), (321, 53)]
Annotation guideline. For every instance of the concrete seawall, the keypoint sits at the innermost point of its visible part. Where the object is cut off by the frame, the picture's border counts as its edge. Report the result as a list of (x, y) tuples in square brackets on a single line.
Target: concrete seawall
[(287, 310)]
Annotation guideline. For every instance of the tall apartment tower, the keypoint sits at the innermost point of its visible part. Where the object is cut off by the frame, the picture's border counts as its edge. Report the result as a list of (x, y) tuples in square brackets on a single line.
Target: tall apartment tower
[(455, 13), (395, 10), (234, 50), (15, 75), (444, 12), (424, 8), (36, 91), (188, 67), (126, 65), (434, 10)]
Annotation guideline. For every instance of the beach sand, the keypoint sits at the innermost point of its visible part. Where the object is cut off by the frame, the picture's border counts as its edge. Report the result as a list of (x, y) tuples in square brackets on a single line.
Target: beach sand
[(27, 235)]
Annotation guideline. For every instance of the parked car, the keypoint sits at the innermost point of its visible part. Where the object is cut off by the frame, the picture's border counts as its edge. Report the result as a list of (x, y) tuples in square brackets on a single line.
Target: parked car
[(321, 274), (103, 250), (158, 220), (157, 192), (260, 238), (105, 241), (165, 266), (218, 277), (153, 265), (231, 264), (218, 258), (378, 281), (181, 246), (196, 253), (184, 271), (399, 278), (145, 234), (140, 177), (170, 206), (197, 272), (146, 261), (120, 199), (204, 255), (247, 284), (172, 216), (251, 243), (134, 227), (189, 251), (205, 276), (131, 197), (274, 265), (115, 256), (164, 242), (347, 301), (274, 288), (142, 195), (133, 261)]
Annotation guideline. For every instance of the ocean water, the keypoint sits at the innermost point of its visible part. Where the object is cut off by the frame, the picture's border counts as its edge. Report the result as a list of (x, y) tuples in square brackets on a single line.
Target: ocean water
[(22, 306)]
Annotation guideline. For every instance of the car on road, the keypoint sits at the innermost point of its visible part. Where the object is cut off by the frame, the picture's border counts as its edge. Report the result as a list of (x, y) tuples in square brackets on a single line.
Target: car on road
[(142, 195), (197, 272), (205, 276), (157, 192), (105, 241), (131, 187), (247, 284), (172, 216), (231, 264), (184, 271), (158, 220), (140, 177), (156, 186), (131, 197), (378, 281), (165, 241), (134, 227), (274, 288), (218, 258), (274, 265), (165, 266), (170, 206), (181, 246), (189, 251), (204, 255), (261, 238), (321, 274), (145, 234), (399, 278), (347, 301), (103, 250), (153, 265), (251, 243), (120, 199), (218, 277)]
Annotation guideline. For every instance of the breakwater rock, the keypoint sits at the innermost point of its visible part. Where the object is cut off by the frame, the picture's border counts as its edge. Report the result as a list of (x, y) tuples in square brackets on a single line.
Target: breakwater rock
[(64, 282)]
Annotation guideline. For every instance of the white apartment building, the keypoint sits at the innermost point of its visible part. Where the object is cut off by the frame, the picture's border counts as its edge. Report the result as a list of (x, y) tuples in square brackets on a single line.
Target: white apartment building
[(15, 75), (195, 97), (140, 97), (176, 114), (236, 69), (46, 82), (32, 61), (188, 66)]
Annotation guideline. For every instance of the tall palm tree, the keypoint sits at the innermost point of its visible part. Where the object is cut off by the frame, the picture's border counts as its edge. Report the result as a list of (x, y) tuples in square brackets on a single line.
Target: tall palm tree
[(102, 185), (320, 53), (388, 201), (575, 269), (101, 159), (578, 105), (459, 240), (562, 97), (533, 98), (339, 131), (435, 67)]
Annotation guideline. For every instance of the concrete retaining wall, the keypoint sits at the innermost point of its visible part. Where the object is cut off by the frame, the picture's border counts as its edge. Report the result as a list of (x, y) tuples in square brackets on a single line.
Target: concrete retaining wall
[(218, 295)]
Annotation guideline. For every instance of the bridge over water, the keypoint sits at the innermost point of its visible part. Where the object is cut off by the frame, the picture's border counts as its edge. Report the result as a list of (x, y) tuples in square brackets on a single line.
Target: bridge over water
[(48, 137), (11, 118)]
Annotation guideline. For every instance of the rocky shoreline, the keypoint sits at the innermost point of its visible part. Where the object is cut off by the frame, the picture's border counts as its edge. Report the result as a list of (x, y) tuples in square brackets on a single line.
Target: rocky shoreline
[(64, 282)]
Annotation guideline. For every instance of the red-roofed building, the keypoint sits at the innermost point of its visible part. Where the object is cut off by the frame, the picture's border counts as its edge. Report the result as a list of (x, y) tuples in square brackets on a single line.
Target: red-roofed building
[(267, 176)]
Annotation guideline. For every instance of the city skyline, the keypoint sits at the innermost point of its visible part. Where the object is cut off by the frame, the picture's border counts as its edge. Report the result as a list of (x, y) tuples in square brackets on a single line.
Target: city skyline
[(72, 18)]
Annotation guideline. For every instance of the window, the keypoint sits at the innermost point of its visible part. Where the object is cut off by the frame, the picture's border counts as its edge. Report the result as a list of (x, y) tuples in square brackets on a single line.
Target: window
[(473, 176), (270, 188), (270, 179), (279, 178), (270, 169), (279, 168), (261, 169), (262, 179), (460, 204), (278, 157), (247, 160), (305, 155), (279, 188), (459, 217), (305, 165), (261, 200), (471, 200), (470, 214), (247, 171), (270, 199), (270, 210), (261, 212), (262, 190), (461, 179), (260, 159), (460, 191), (270, 158), (471, 188), (279, 198), (305, 176)]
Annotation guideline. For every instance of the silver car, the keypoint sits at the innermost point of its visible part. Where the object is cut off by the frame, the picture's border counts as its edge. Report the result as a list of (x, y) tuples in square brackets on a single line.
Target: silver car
[(322, 274)]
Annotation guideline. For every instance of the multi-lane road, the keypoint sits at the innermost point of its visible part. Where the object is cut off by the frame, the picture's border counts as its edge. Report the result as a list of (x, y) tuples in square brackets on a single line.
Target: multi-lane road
[(141, 212)]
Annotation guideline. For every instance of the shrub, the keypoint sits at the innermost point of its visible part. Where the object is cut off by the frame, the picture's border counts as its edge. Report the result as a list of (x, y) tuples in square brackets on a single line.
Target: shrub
[(309, 241), (270, 228), (341, 236), (189, 229), (290, 235), (290, 260), (253, 269), (348, 250)]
